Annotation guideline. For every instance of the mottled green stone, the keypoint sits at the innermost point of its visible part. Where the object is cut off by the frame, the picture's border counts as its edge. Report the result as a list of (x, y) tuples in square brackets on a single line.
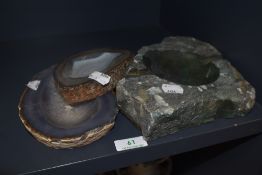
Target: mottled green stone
[(211, 87)]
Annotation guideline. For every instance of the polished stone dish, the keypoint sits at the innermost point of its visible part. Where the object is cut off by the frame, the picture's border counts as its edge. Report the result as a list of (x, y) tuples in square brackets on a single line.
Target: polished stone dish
[(57, 124), (72, 75), (179, 83)]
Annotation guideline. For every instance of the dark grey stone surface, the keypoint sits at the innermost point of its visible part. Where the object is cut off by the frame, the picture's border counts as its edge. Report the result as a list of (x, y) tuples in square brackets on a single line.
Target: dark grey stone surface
[(142, 97)]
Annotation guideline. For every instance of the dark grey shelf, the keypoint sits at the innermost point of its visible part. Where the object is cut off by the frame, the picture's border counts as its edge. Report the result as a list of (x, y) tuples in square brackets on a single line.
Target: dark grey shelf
[(22, 154), (33, 157)]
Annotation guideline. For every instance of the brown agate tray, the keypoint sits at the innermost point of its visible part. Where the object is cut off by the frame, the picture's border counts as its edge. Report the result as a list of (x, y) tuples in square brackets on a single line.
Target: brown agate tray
[(72, 75)]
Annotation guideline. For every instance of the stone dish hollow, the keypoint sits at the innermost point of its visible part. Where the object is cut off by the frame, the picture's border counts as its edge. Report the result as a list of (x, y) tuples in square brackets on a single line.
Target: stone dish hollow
[(181, 67), (83, 66)]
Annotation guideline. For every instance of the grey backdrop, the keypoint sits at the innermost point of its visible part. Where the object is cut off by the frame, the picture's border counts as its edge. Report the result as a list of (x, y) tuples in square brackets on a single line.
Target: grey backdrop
[(29, 18)]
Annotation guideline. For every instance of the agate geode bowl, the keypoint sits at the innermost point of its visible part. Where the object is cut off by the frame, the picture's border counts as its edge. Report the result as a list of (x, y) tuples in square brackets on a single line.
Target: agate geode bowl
[(72, 75), (57, 124)]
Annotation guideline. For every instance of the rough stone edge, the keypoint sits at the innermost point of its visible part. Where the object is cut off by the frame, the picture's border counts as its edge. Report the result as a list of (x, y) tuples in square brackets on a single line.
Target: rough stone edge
[(159, 46), (148, 133), (133, 120)]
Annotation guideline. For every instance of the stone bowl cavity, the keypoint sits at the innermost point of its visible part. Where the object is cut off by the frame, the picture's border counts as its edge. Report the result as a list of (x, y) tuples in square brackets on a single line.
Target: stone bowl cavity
[(181, 67)]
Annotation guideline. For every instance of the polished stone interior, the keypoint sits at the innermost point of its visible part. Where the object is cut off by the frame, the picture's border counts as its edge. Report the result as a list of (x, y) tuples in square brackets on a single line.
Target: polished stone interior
[(76, 69), (84, 65), (180, 67)]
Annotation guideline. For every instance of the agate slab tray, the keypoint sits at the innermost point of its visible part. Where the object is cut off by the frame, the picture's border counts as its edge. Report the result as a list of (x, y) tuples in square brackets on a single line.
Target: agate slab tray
[(59, 125)]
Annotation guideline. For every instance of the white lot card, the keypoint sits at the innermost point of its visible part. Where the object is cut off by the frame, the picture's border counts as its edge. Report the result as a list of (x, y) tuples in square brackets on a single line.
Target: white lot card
[(130, 143), (100, 77)]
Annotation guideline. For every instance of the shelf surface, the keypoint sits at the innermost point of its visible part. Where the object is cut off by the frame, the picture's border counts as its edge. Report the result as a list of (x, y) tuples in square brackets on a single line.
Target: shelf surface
[(22, 154)]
